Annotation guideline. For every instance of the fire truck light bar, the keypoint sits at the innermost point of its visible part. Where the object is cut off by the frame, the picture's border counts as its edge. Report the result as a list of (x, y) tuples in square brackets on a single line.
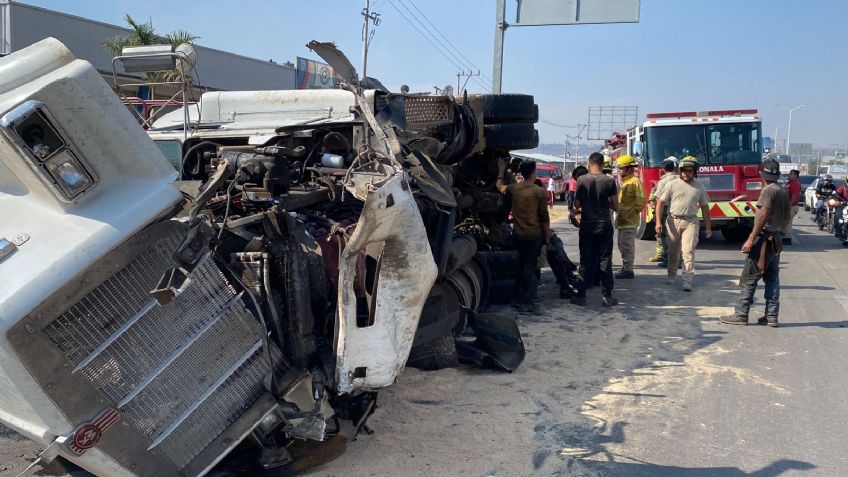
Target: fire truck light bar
[(695, 114)]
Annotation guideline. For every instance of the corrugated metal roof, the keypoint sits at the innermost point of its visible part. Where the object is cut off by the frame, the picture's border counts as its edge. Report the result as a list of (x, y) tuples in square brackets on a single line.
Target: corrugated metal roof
[(22, 25)]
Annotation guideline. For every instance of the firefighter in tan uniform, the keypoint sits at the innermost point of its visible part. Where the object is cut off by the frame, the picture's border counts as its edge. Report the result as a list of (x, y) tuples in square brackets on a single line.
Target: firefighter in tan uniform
[(684, 197)]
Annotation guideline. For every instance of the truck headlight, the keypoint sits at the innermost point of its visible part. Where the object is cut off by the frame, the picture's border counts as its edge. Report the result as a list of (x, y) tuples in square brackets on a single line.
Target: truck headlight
[(68, 173), (32, 129)]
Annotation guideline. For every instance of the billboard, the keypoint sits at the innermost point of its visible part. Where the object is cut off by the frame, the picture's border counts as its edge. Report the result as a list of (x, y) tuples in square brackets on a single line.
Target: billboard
[(572, 12), (313, 74)]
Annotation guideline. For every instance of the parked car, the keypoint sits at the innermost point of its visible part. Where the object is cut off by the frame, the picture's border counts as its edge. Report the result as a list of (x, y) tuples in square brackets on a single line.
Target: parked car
[(810, 192), (549, 172)]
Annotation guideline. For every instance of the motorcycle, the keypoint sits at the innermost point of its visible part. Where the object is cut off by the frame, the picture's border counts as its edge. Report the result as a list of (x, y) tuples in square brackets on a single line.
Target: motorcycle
[(840, 224), (826, 219)]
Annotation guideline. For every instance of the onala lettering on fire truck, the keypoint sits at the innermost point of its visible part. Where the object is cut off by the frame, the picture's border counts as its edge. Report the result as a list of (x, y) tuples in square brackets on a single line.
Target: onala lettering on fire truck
[(728, 147)]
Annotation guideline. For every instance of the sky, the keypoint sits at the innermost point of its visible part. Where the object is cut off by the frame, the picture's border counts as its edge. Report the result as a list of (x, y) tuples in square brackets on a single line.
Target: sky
[(683, 55)]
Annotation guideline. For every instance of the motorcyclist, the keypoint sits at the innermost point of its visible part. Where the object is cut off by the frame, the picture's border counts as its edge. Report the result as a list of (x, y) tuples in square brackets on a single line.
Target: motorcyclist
[(824, 190), (840, 226)]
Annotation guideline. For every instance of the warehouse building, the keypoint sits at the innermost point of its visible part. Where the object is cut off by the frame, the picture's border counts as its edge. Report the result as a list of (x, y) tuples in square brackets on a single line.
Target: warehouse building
[(22, 25)]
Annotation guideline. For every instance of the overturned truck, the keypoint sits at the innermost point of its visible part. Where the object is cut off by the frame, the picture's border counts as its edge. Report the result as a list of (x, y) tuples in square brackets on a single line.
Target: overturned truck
[(287, 262)]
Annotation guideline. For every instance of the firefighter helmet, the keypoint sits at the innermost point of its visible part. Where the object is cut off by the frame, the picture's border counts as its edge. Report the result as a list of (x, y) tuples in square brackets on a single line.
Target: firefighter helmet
[(689, 162), (626, 161)]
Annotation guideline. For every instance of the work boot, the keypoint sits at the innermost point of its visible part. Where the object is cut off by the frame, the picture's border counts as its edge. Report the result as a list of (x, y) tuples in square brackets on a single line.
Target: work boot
[(566, 292), (656, 258), (735, 320), (579, 301), (663, 264), (624, 274), (529, 308), (770, 321), (608, 301), (687, 285)]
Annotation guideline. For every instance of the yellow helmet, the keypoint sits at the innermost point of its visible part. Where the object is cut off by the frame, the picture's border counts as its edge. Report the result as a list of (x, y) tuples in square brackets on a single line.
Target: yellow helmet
[(626, 161), (608, 163)]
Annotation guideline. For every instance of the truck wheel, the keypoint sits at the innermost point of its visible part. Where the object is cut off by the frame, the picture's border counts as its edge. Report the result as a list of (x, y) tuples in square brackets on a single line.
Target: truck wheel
[(736, 234), (510, 136), (647, 231), (507, 108), (436, 354)]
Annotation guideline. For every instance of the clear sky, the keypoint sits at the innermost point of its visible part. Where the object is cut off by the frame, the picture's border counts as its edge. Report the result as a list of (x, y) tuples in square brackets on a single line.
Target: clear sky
[(683, 55)]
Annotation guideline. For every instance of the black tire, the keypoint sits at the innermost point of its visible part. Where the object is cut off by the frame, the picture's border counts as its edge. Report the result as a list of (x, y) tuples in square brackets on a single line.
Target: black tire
[(736, 234), (511, 136), (508, 108), (436, 354), (650, 231)]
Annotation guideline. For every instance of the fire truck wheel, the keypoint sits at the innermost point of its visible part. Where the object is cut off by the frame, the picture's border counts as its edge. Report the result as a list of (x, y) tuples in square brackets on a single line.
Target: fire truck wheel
[(506, 108), (647, 231), (511, 136), (736, 234)]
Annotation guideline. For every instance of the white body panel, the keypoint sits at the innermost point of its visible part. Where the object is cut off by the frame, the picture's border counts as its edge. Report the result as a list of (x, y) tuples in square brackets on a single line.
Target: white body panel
[(134, 187)]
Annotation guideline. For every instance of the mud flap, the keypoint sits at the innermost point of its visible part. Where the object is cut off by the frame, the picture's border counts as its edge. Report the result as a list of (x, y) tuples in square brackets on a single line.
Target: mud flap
[(371, 356), (498, 343)]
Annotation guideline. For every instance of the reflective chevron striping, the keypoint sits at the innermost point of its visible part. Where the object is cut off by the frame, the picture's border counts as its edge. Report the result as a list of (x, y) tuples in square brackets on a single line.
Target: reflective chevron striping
[(731, 210)]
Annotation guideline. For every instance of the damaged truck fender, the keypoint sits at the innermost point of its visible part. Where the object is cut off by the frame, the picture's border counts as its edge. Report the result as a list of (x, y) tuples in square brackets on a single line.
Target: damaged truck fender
[(371, 356)]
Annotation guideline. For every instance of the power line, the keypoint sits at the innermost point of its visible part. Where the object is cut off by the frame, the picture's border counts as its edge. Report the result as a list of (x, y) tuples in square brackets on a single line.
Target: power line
[(457, 63), (489, 80), (444, 47)]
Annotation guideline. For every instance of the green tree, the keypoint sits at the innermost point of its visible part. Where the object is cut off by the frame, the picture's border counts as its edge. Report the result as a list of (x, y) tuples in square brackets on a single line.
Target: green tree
[(142, 34)]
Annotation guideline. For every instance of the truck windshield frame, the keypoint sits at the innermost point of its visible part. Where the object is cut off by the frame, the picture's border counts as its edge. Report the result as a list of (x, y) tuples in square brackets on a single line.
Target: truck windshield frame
[(714, 143)]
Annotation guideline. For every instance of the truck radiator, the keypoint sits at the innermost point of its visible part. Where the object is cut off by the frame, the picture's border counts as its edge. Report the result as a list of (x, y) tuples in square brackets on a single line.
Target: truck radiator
[(180, 373)]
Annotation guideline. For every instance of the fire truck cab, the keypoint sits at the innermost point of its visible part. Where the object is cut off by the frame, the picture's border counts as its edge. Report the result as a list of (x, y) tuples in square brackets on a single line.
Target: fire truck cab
[(728, 147)]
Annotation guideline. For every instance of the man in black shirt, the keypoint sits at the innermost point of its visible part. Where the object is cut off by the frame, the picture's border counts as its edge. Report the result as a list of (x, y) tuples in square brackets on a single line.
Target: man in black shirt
[(596, 195)]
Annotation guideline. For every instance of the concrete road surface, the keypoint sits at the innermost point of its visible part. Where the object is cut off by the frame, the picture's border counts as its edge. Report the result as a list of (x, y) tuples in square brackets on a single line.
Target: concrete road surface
[(654, 387)]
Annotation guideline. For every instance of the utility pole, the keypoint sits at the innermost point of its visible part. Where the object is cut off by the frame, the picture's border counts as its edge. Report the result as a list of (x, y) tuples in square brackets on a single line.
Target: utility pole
[(775, 137), (500, 29), (367, 17), (580, 128), (467, 77)]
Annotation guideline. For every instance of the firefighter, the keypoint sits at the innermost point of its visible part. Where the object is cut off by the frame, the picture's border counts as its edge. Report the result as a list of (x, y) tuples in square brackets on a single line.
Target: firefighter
[(684, 197), (631, 198), (669, 173)]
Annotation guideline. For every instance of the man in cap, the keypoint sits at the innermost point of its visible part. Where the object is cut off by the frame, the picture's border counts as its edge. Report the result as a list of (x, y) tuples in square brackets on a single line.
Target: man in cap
[(684, 197), (669, 173), (596, 197), (763, 249), (631, 199)]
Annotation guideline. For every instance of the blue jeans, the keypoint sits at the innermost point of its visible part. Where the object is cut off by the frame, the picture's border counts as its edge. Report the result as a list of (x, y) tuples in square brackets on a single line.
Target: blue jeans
[(751, 274)]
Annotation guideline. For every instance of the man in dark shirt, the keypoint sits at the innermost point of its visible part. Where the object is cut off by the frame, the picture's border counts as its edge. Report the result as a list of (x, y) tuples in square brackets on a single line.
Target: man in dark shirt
[(532, 229), (596, 195), (763, 249)]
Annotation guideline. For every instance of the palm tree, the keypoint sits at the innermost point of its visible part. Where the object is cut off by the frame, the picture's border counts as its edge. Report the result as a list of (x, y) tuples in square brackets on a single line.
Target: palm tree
[(144, 34)]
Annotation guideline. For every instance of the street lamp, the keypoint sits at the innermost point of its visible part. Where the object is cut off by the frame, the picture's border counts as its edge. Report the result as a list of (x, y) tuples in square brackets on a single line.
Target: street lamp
[(789, 127)]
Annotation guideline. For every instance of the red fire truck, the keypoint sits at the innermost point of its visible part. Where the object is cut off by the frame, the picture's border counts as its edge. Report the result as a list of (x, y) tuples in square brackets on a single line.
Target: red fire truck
[(728, 146)]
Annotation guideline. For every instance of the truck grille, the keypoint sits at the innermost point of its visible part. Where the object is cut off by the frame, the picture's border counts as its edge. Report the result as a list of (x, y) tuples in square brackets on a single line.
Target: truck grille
[(180, 373), (717, 182)]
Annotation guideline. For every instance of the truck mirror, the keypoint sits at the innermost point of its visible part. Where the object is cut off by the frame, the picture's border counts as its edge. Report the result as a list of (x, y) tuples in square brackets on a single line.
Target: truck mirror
[(637, 148)]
